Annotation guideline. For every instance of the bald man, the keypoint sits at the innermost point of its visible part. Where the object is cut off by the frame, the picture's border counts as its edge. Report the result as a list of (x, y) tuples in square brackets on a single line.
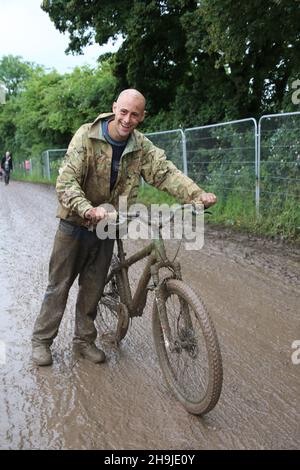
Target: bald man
[(105, 160)]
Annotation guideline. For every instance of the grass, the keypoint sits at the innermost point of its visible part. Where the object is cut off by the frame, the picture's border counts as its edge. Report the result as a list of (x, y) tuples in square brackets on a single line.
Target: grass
[(32, 178), (278, 220), (149, 195)]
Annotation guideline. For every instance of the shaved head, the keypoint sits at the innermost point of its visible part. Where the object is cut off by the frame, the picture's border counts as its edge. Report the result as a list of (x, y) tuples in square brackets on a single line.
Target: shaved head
[(133, 94)]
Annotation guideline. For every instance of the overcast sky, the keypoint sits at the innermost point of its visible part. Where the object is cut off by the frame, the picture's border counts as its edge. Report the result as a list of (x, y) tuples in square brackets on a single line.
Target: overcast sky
[(26, 31)]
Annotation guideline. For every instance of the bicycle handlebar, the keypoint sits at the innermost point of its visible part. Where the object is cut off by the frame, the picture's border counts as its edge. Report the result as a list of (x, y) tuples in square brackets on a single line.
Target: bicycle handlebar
[(118, 218)]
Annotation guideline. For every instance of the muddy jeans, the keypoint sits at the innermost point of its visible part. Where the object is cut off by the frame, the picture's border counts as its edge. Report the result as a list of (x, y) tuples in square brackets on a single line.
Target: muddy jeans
[(76, 251)]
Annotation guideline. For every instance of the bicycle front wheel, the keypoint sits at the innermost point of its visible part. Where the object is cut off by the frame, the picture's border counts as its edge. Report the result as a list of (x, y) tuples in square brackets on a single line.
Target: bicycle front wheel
[(191, 363)]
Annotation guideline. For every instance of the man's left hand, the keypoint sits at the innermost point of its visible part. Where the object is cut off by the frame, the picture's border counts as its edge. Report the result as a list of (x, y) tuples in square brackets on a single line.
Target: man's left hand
[(208, 199)]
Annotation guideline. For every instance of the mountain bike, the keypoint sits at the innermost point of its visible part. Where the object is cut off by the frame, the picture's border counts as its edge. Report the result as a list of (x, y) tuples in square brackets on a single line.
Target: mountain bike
[(185, 338)]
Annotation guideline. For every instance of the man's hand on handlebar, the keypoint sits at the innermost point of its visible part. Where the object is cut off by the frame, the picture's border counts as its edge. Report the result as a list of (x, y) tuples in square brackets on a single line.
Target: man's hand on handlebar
[(208, 199), (95, 214)]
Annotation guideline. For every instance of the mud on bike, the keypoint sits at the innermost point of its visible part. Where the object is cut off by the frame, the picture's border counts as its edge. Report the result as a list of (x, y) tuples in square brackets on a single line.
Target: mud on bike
[(184, 335)]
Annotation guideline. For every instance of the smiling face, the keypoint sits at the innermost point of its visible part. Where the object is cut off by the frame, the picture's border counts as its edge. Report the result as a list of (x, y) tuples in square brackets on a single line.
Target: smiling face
[(129, 111)]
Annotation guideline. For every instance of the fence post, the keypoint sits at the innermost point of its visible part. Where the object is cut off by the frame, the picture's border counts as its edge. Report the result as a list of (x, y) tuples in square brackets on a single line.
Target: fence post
[(184, 159), (48, 165), (257, 167)]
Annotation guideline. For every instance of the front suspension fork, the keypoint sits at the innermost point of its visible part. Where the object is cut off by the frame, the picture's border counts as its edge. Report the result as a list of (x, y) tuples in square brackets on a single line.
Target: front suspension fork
[(160, 299)]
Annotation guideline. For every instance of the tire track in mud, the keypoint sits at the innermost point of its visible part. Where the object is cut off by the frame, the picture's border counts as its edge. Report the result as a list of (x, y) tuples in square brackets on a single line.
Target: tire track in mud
[(251, 288)]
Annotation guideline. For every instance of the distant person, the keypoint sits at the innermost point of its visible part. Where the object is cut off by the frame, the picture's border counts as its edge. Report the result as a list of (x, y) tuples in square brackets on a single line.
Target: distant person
[(104, 161), (7, 166)]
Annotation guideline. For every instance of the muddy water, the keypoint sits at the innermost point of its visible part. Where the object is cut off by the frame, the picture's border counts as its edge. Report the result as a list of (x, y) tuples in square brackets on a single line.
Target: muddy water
[(251, 288)]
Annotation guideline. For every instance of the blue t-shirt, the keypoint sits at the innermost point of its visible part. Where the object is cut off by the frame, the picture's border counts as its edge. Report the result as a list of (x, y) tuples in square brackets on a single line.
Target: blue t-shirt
[(117, 150)]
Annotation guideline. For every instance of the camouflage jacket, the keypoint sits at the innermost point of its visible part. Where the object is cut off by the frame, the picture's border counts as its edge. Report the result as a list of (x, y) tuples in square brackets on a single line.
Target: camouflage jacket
[(84, 178)]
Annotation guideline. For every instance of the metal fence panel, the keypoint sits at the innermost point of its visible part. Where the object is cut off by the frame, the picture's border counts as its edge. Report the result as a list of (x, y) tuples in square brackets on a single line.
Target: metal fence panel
[(279, 161), (223, 158), (173, 143), (52, 160), (36, 167), (245, 164)]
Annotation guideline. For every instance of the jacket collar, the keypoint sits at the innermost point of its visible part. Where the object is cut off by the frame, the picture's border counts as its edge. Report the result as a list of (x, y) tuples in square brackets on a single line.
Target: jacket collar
[(95, 132)]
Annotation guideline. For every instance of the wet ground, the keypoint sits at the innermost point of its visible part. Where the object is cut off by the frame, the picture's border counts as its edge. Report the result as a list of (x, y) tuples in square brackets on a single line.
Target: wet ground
[(251, 288)]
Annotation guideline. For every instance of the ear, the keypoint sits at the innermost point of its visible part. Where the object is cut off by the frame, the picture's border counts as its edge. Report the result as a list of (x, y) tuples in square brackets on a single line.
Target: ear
[(143, 116), (114, 107)]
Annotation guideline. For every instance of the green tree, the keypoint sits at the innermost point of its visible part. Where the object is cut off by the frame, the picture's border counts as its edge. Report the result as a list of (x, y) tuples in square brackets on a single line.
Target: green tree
[(8, 114), (51, 106), (14, 71), (152, 57), (259, 43), (89, 21), (229, 57)]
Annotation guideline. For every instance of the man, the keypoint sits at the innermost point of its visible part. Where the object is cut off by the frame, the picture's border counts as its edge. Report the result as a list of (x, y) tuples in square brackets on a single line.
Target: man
[(104, 161), (7, 166)]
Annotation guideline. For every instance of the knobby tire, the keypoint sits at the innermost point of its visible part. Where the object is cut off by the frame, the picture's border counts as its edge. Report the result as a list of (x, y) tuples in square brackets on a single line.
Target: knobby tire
[(193, 369)]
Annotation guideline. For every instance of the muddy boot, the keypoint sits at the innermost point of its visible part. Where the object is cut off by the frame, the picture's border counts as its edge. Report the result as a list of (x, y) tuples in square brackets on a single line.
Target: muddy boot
[(90, 352), (41, 355)]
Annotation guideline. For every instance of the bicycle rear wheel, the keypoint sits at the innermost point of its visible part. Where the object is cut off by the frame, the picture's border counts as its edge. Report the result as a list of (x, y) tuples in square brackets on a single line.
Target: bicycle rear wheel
[(111, 320), (192, 364)]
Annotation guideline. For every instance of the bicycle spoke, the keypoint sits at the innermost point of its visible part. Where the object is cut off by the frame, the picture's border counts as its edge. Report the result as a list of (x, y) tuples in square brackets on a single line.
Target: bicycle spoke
[(107, 317), (190, 370), (112, 316)]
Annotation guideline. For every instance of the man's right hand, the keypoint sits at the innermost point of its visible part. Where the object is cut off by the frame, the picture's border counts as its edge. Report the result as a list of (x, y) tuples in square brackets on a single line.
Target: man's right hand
[(95, 214)]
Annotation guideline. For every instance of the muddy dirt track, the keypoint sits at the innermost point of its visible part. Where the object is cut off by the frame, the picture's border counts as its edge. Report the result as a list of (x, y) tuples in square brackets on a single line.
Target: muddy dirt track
[(251, 288)]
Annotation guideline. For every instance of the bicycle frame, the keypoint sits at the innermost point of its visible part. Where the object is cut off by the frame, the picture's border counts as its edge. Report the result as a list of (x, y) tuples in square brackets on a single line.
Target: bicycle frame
[(132, 306), (180, 322), (157, 259)]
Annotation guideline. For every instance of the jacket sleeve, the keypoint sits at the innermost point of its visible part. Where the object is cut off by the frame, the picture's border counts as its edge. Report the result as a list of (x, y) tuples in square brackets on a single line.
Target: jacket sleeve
[(163, 174), (72, 174)]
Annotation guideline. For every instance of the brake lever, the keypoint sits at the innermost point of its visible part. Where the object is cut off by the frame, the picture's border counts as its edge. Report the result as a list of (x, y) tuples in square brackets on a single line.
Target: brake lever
[(205, 211)]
